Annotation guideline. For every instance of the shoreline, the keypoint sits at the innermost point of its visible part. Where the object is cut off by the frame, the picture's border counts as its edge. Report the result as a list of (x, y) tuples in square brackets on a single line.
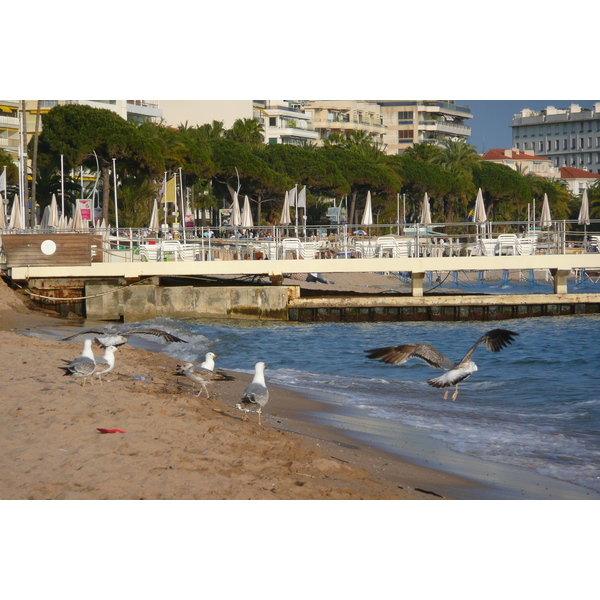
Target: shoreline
[(403, 459)]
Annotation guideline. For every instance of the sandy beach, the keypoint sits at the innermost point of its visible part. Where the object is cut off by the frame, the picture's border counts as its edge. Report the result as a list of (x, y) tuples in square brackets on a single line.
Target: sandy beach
[(176, 444)]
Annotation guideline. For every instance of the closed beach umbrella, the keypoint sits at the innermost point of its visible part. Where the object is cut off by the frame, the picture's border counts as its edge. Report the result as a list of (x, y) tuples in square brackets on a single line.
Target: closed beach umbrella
[(479, 215), (45, 218), (77, 220), (425, 211), (236, 217), (53, 217), (545, 217), (584, 212), (285, 212), (154, 224), (367, 218), (247, 220), (16, 221), (2, 220)]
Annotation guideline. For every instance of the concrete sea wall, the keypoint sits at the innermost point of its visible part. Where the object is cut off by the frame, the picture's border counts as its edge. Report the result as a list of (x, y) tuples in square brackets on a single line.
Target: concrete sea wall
[(108, 301)]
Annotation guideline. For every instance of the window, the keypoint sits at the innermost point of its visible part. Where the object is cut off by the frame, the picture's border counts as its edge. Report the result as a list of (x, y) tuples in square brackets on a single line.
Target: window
[(272, 121), (557, 144), (541, 146), (404, 134), (548, 146), (405, 115), (573, 143), (565, 144), (589, 142)]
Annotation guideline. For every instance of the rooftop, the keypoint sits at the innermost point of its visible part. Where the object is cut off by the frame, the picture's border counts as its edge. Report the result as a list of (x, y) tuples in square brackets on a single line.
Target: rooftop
[(503, 154)]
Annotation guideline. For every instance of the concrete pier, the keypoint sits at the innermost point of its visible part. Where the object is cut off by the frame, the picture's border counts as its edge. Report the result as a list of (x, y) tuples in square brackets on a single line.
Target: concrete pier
[(135, 290)]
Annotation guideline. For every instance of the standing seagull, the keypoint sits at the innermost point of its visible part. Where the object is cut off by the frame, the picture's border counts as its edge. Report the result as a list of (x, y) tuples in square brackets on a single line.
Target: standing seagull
[(109, 337), (83, 366), (494, 341), (105, 364), (209, 363), (201, 374), (256, 392)]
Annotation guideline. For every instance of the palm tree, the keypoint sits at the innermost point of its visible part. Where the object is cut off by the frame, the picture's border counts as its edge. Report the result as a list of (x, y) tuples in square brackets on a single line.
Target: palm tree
[(425, 151), (594, 200), (458, 157), (246, 131)]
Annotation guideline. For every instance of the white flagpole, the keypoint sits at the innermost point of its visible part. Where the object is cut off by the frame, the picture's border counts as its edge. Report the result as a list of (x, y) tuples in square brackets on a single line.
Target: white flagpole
[(115, 194), (296, 205), (62, 184)]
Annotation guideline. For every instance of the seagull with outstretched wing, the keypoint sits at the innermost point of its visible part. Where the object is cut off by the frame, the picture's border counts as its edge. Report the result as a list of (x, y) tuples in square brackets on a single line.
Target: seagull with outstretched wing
[(111, 337), (494, 341)]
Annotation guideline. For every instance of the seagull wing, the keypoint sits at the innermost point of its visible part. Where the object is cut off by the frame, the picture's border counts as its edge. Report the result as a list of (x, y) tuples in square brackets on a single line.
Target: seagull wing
[(72, 337), (81, 365), (256, 393), (494, 341), (396, 355), (168, 337)]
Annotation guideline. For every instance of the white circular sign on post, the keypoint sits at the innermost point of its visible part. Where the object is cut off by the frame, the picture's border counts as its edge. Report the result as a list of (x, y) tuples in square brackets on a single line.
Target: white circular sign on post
[(48, 247)]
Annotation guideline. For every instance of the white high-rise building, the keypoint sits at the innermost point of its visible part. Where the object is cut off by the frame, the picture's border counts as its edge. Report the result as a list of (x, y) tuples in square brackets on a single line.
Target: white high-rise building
[(569, 136)]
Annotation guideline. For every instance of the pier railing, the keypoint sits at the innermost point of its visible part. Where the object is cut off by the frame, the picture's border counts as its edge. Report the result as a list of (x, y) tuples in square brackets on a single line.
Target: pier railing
[(339, 242)]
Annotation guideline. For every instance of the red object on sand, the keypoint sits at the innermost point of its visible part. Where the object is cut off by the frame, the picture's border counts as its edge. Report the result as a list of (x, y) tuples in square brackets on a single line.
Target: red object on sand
[(109, 430)]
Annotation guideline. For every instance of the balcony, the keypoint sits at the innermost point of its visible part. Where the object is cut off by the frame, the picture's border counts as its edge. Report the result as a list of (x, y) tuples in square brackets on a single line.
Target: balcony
[(445, 127)]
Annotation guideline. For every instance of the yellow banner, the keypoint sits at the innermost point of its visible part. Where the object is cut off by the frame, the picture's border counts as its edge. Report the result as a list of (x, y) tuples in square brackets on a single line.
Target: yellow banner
[(170, 191)]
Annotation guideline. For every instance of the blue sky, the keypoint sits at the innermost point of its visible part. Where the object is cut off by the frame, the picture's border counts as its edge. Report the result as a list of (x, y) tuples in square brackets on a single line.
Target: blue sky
[(490, 125)]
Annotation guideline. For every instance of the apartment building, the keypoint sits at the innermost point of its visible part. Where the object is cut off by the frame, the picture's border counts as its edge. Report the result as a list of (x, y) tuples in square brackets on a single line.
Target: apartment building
[(10, 126), (199, 112), (409, 122), (570, 137), (284, 122), (343, 116)]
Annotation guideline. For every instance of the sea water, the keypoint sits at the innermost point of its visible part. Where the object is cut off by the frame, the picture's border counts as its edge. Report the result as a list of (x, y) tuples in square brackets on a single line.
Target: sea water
[(535, 404)]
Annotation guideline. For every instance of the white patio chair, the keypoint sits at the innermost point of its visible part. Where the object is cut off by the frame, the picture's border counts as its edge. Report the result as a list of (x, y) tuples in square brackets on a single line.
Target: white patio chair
[(386, 246), (170, 248), (525, 246), (507, 243), (489, 247), (149, 252), (188, 252), (291, 245), (308, 249), (365, 248)]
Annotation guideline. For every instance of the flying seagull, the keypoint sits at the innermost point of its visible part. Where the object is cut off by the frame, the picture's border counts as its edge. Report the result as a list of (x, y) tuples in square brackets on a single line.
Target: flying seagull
[(106, 363), (202, 375), (110, 337), (83, 366), (494, 341), (256, 392)]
